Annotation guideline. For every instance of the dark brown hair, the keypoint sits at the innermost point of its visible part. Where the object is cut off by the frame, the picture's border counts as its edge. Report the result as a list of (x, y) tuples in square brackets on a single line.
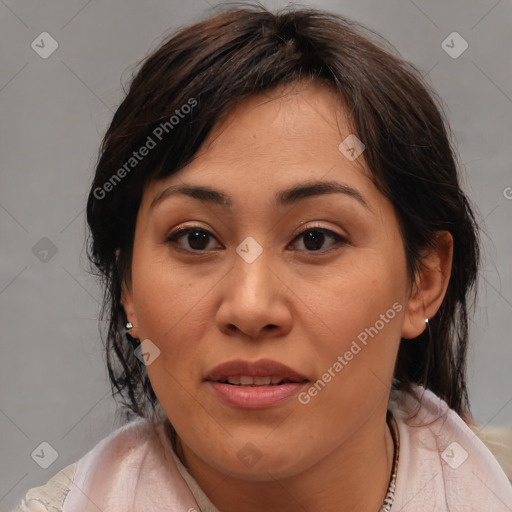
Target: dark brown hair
[(244, 50)]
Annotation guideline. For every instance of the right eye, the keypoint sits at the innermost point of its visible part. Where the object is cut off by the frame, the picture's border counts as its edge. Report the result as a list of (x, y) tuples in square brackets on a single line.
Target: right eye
[(195, 237)]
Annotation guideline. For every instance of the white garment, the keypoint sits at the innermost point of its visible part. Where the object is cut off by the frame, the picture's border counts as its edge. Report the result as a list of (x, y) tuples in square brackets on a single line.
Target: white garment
[(443, 466)]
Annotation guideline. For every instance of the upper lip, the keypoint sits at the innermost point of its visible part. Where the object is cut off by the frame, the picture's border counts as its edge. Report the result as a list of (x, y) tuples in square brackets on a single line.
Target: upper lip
[(260, 368)]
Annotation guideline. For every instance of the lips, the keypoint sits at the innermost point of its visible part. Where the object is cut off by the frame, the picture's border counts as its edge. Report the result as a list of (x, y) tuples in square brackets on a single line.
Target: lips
[(263, 372), (262, 384)]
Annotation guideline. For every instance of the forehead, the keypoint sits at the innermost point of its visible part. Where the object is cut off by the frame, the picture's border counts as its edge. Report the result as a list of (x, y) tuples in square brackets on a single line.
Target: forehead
[(272, 140), (272, 121)]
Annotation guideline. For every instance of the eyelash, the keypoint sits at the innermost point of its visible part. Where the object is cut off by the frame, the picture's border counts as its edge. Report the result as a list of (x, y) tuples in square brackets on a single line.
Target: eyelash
[(171, 239)]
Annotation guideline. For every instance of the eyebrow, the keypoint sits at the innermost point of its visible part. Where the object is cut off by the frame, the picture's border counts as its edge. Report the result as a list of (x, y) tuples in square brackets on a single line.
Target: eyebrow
[(283, 198)]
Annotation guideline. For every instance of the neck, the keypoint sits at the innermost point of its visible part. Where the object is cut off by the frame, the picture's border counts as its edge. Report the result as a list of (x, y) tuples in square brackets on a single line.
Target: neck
[(355, 476)]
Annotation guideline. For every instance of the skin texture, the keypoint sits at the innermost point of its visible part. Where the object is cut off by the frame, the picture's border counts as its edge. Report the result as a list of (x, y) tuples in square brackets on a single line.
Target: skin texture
[(293, 304)]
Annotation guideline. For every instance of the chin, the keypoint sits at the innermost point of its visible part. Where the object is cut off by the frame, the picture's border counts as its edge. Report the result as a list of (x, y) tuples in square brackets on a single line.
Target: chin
[(267, 464)]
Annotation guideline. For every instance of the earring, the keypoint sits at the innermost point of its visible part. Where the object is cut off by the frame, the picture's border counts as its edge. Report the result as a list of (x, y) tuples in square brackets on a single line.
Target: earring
[(134, 341)]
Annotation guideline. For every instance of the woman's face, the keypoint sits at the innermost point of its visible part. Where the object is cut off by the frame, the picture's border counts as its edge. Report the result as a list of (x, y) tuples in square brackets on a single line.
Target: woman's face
[(314, 281)]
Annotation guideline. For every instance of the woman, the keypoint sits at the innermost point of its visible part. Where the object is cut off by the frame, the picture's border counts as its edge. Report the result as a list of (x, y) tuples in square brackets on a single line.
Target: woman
[(288, 261)]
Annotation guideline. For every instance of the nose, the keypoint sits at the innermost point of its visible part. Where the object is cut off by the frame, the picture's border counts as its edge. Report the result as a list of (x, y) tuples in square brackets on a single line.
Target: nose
[(255, 300)]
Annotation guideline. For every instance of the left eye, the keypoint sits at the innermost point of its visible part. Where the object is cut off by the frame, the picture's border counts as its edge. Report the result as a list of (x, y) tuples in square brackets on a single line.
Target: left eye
[(198, 238), (316, 238)]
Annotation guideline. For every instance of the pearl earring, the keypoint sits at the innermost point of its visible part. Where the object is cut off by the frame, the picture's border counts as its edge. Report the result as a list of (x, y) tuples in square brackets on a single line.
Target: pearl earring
[(129, 326)]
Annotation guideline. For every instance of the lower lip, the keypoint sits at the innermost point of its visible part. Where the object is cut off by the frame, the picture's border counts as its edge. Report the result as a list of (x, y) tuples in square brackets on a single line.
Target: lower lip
[(256, 397)]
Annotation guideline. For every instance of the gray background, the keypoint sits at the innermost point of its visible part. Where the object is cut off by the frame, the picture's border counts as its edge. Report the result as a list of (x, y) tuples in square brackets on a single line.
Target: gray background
[(53, 381)]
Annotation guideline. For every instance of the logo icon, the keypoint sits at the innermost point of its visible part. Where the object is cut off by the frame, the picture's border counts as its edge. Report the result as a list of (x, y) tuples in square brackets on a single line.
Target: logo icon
[(44, 250), (454, 45), (249, 249), (454, 455), (147, 352), (44, 455), (44, 45), (249, 455), (351, 147)]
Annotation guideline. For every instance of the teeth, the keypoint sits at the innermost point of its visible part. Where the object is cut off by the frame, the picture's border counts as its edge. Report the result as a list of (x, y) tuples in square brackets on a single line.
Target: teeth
[(247, 380), (262, 381)]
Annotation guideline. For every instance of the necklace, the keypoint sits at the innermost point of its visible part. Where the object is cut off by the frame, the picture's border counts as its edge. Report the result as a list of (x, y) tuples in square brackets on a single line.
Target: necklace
[(388, 500)]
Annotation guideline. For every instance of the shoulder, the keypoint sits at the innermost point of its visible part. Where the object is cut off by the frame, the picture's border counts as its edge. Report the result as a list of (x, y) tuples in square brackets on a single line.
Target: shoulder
[(443, 465), (51, 496), (130, 469)]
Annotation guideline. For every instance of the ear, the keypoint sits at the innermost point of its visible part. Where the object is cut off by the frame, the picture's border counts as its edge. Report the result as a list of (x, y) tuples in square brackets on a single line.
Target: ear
[(429, 288)]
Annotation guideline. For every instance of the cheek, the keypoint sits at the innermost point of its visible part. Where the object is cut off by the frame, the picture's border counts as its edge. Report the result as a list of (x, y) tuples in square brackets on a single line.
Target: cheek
[(170, 307), (363, 308), (169, 303), (360, 291), (357, 357)]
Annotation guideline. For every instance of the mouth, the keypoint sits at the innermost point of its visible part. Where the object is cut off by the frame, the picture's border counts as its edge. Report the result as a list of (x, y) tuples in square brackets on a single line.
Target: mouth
[(249, 381), (263, 372), (262, 384)]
